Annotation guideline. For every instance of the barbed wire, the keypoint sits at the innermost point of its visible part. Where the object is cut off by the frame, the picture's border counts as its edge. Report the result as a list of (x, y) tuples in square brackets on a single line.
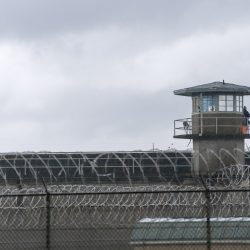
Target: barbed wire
[(93, 208), (98, 167), (24, 205), (230, 177), (128, 167)]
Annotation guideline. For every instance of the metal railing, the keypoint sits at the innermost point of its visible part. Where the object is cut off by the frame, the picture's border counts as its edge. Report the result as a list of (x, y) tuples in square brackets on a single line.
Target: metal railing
[(215, 125), (183, 126)]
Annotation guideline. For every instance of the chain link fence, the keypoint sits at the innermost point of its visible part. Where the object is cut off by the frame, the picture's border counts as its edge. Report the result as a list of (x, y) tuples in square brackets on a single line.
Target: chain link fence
[(125, 217)]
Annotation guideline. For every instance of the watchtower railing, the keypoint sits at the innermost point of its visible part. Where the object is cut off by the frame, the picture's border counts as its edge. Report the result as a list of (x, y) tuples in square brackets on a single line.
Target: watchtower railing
[(216, 125)]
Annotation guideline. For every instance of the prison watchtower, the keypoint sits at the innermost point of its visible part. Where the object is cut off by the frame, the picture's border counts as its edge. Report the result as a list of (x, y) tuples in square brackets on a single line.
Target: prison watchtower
[(217, 125)]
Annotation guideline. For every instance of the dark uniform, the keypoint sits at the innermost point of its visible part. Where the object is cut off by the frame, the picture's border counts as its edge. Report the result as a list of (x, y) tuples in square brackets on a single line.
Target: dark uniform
[(245, 112), (246, 115)]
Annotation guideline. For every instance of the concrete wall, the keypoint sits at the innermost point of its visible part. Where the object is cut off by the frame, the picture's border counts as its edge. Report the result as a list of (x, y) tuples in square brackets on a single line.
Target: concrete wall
[(213, 154), (221, 123)]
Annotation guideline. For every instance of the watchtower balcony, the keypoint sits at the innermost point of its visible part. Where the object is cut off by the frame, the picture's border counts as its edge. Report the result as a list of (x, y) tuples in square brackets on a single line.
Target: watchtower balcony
[(216, 125)]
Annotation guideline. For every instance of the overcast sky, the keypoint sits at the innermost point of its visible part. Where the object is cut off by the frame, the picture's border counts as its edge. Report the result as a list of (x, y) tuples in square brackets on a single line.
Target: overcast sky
[(79, 75)]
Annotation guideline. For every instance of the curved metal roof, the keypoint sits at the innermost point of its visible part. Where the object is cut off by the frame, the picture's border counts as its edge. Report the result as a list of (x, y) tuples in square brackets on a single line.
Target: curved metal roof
[(214, 87)]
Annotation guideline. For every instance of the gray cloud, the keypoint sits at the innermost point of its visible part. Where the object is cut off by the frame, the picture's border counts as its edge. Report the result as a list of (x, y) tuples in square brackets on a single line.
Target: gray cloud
[(168, 18), (100, 75)]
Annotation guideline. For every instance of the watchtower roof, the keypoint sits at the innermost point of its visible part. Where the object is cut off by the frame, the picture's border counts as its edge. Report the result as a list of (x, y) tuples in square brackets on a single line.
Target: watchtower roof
[(214, 87)]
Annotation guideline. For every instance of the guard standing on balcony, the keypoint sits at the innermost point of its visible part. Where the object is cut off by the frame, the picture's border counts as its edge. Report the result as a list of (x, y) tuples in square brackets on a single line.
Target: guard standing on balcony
[(246, 116), (186, 126), (245, 112)]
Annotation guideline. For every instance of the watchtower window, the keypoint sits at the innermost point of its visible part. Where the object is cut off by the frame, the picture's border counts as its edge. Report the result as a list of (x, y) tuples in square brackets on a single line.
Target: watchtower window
[(226, 103), (196, 104), (239, 103), (208, 103)]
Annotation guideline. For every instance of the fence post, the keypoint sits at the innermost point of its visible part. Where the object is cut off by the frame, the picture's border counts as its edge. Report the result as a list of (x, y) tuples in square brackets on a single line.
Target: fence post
[(47, 220), (208, 215), (208, 198), (47, 216)]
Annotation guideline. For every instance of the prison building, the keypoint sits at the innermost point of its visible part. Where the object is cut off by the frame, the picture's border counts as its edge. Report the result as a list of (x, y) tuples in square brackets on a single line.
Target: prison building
[(129, 167), (97, 167), (187, 233)]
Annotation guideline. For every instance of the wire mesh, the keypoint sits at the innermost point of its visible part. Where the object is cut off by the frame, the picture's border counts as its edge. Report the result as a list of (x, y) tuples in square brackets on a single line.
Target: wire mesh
[(138, 200), (105, 217)]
